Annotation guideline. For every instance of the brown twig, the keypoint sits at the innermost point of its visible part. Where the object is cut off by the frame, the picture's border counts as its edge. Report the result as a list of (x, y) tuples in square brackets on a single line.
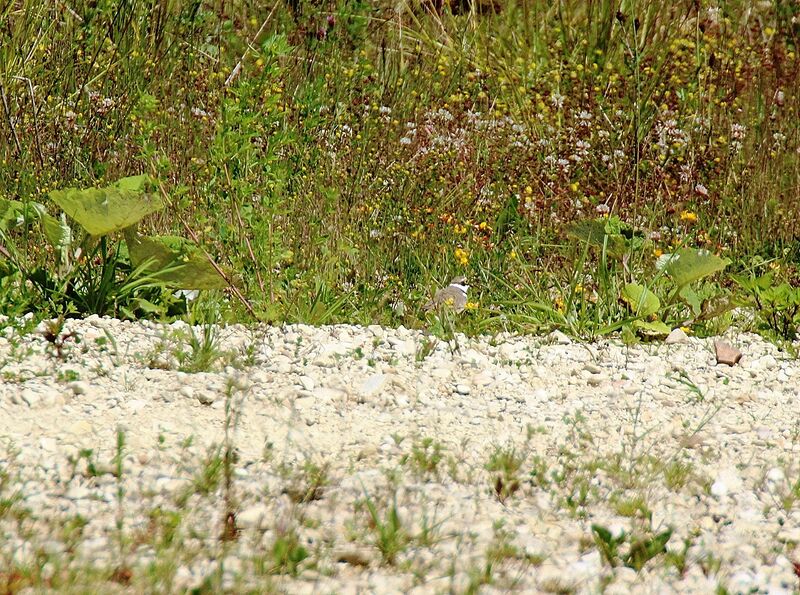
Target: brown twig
[(74, 14), (35, 119), (219, 270), (10, 120), (236, 69), (246, 238), (235, 290)]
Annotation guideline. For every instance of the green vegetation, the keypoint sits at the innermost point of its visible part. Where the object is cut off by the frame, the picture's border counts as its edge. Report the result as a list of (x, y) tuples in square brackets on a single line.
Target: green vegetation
[(337, 164), (425, 457), (639, 550)]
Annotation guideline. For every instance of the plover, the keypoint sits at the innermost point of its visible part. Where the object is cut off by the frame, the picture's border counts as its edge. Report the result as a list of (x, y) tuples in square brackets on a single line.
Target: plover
[(453, 296)]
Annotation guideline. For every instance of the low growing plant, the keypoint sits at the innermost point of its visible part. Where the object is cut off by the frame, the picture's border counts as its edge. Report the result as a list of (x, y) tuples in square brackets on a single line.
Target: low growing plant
[(96, 272), (777, 305), (504, 467), (627, 549), (391, 536)]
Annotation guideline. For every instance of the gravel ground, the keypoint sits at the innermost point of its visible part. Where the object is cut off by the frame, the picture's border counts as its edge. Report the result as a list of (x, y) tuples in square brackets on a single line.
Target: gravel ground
[(372, 460)]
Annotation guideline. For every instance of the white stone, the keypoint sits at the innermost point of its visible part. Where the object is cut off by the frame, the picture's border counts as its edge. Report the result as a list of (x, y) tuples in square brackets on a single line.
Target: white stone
[(676, 337), (307, 383), (79, 387), (205, 397), (776, 475), (719, 489), (559, 338), (253, 517), (372, 385)]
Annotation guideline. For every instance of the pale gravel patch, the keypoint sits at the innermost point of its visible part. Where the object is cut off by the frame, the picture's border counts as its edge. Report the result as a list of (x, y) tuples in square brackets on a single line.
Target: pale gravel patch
[(357, 400)]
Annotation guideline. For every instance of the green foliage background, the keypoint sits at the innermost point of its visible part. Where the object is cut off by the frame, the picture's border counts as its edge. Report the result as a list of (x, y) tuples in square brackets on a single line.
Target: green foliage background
[(342, 159)]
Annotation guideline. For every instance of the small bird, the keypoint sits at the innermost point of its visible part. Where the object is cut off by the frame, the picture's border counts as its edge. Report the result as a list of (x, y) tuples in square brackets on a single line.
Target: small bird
[(454, 296)]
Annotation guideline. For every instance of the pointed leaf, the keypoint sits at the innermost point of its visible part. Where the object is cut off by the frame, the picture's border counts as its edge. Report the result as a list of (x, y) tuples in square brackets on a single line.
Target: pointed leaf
[(175, 260), (612, 234), (691, 298), (589, 230), (664, 260), (628, 335), (641, 300), (603, 533), (754, 284), (101, 211), (691, 264), (13, 213), (655, 328), (10, 213)]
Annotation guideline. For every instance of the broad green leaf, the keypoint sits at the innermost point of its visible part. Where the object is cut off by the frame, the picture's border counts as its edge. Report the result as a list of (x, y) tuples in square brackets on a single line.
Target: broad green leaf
[(641, 300), (175, 260), (589, 230), (140, 183), (781, 297), (57, 231), (148, 306), (665, 259), (689, 265), (10, 213), (628, 336), (754, 284), (101, 211), (692, 299), (655, 328), (14, 213), (612, 234), (276, 45)]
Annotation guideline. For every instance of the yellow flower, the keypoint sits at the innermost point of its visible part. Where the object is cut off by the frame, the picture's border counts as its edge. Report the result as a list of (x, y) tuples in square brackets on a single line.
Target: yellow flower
[(658, 252), (512, 255), (461, 256), (471, 306), (688, 216)]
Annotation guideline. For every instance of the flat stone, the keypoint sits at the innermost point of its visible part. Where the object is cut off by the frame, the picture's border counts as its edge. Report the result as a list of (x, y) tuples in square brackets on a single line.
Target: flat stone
[(372, 385), (676, 337), (483, 378), (307, 382), (205, 397), (726, 353), (77, 492), (252, 517), (354, 556), (79, 387), (559, 338), (324, 394)]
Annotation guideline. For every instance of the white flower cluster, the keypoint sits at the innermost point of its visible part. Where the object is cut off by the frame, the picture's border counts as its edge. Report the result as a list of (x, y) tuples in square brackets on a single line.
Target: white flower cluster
[(738, 134)]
